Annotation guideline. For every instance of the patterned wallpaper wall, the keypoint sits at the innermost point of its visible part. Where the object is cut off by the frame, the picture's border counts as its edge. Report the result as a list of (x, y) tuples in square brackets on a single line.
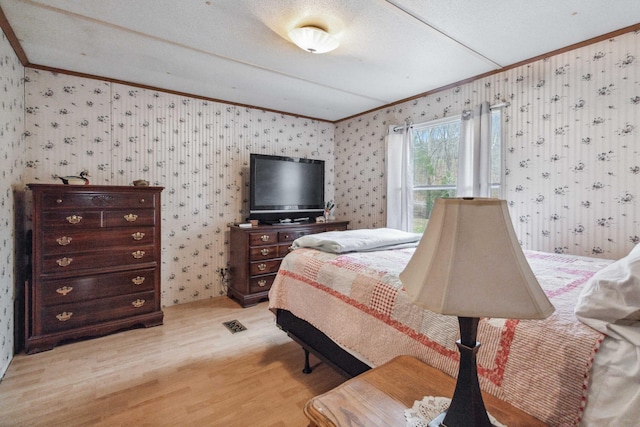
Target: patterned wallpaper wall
[(11, 154), (572, 149), (198, 150)]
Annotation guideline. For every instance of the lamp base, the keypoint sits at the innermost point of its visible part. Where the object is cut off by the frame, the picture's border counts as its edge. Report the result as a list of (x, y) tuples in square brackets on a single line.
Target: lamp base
[(467, 407), (437, 421)]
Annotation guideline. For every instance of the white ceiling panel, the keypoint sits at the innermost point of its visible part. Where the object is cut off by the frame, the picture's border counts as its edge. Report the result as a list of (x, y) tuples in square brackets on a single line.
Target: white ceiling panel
[(238, 50)]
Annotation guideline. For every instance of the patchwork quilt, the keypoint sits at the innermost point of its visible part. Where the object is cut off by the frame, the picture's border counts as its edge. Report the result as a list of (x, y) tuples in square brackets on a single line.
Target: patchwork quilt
[(357, 299)]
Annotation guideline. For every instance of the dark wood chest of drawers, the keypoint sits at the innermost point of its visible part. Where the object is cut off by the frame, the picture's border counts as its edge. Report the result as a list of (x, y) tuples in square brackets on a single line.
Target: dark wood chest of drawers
[(95, 264), (256, 253)]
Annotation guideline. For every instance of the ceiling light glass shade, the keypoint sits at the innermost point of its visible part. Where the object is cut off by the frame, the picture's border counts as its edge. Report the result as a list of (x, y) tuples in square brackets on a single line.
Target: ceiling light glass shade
[(313, 39)]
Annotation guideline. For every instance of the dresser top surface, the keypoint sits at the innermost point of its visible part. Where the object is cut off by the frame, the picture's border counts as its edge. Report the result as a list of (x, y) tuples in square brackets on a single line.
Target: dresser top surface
[(90, 188)]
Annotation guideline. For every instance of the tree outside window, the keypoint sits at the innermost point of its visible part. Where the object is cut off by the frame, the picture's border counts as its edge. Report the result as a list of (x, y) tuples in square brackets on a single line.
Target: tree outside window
[(435, 164)]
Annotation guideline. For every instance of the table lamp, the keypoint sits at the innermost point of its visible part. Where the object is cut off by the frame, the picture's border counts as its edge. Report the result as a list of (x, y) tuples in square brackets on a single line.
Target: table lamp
[(469, 264)]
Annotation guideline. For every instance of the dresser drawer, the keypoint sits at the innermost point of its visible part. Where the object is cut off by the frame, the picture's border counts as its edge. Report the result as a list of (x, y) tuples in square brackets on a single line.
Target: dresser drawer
[(336, 227), (261, 283), (263, 252), (283, 250), (264, 267), (290, 236), (64, 241), (63, 199), (64, 291), (68, 316), (129, 218), (72, 219), (265, 238), (78, 261)]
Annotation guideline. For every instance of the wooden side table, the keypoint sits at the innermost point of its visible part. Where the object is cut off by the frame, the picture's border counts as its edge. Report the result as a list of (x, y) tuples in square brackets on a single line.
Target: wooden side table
[(380, 396)]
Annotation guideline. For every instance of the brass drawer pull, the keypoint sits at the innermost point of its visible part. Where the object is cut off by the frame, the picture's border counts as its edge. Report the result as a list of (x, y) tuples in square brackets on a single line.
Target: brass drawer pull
[(58, 201), (137, 235), (141, 200), (138, 303), (262, 266), (64, 240), (64, 316), (137, 254), (264, 252), (64, 290), (262, 283), (131, 217), (74, 219), (138, 280), (64, 262), (264, 237)]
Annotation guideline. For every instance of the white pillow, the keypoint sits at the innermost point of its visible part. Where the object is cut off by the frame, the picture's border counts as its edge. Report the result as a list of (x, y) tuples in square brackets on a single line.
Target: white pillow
[(610, 300)]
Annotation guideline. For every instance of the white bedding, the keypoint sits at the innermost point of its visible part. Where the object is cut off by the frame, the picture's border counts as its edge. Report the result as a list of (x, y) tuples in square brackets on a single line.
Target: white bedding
[(610, 303), (363, 240)]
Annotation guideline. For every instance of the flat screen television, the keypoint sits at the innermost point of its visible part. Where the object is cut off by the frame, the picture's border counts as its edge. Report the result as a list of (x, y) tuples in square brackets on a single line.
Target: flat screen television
[(285, 189)]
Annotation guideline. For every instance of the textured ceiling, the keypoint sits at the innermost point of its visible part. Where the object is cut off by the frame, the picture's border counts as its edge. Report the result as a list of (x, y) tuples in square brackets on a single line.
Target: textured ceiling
[(238, 50)]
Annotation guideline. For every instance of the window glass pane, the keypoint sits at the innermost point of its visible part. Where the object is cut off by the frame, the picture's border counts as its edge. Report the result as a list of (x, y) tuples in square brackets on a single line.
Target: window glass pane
[(435, 155), (435, 164), (423, 201)]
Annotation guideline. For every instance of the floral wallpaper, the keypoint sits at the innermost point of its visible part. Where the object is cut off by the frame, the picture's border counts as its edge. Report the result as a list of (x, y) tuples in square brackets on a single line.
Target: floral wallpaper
[(11, 153), (572, 163), (198, 150)]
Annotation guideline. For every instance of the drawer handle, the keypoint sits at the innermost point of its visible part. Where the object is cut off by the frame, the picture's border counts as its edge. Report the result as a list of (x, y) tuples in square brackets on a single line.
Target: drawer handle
[(138, 303), (138, 280), (262, 283), (137, 235), (141, 201), (64, 262), (137, 254), (58, 201), (264, 252), (264, 237), (131, 217), (74, 219), (286, 237), (64, 316), (64, 240), (262, 266), (64, 290)]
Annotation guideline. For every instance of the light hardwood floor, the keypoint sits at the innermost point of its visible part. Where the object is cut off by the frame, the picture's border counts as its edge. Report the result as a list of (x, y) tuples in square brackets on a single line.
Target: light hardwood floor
[(191, 371)]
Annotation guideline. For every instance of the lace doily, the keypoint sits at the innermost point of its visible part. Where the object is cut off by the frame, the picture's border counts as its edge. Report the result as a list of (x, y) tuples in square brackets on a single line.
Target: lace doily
[(428, 408)]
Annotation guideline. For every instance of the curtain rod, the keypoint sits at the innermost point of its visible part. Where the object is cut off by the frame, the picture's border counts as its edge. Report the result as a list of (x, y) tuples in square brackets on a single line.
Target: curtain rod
[(491, 107)]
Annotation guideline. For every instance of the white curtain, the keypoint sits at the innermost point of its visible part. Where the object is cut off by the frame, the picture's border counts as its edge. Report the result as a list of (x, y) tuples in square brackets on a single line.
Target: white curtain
[(399, 164), (474, 157)]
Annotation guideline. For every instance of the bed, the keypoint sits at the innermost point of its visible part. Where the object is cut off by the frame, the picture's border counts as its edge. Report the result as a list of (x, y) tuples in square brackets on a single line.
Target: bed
[(349, 309)]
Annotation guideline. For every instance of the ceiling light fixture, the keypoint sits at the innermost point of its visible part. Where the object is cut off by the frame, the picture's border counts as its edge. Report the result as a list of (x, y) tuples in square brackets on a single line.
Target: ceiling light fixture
[(313, 39)]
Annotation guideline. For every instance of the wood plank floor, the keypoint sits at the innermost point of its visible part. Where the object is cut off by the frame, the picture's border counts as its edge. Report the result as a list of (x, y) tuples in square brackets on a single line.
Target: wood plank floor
[(191, 371)]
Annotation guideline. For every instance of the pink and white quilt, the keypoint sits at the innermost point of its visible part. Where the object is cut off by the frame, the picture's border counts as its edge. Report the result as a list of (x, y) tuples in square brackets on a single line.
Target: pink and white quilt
[(541, 367)]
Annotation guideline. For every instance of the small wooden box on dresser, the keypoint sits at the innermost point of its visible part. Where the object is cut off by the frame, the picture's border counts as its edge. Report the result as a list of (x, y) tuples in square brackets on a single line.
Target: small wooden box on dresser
[(256, 253), (95, 262)]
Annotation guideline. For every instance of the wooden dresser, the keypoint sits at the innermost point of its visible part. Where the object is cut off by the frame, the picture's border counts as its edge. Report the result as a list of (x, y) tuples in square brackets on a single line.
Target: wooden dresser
[(256, 253), (95, 264)]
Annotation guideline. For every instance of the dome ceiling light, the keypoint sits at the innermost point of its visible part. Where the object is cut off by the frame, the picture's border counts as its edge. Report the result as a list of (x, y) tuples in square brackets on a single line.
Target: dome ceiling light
[(313, 39)]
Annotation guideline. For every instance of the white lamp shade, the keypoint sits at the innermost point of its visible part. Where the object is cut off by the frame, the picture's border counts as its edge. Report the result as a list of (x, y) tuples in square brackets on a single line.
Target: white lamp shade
[(313, 39), (469, 264)]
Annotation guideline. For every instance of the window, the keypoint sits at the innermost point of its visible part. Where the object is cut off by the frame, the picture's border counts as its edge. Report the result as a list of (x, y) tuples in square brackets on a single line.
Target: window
[(435, 163)]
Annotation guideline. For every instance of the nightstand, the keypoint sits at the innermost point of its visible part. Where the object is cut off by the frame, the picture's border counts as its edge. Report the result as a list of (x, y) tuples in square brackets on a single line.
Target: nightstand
[(380, 396)]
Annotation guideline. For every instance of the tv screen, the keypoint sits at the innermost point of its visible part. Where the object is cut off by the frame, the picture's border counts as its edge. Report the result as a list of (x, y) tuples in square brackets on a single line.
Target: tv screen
[(284, 186)]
